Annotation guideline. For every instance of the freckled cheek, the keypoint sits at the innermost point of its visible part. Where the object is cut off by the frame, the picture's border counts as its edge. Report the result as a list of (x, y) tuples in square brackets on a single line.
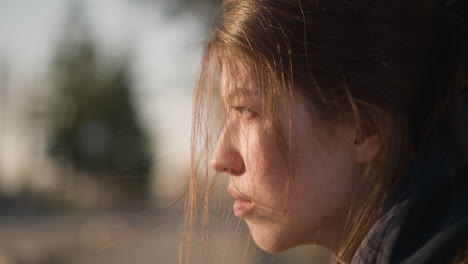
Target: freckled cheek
[(264, 166)]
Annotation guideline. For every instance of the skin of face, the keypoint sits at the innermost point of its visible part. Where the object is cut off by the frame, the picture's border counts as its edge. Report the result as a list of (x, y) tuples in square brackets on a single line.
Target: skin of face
[(304, 203)]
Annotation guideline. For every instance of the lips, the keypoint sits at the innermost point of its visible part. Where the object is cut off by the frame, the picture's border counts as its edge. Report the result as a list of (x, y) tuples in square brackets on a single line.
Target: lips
[(242, 206)]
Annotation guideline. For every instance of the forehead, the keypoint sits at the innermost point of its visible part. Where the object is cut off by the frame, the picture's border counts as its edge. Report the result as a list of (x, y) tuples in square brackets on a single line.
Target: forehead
[(238, 82), (239, 93)]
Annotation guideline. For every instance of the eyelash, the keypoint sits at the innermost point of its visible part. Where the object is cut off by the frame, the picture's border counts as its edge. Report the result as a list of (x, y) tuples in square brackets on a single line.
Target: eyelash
[(244, 111)]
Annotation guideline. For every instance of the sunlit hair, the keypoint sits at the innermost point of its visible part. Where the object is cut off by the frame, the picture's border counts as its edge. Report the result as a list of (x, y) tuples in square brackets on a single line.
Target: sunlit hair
[(365, 63)]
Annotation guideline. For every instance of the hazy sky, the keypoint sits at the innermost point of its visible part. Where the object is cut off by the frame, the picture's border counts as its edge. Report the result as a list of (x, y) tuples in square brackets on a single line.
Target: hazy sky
[(166, 53)]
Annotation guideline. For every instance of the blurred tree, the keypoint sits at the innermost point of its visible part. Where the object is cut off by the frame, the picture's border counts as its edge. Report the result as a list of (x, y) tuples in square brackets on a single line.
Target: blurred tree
[(204, 9), (95, 127), (4, 74)]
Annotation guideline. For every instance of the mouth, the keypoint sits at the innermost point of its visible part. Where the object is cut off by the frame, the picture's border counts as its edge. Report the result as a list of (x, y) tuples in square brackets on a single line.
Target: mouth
[(242, 206)]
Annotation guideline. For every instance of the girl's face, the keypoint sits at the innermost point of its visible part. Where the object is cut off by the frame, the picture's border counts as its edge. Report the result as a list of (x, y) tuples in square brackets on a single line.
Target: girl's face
[(285, 206)]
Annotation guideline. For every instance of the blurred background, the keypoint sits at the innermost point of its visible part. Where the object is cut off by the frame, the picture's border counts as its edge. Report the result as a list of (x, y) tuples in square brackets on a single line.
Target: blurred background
[(95, 118)]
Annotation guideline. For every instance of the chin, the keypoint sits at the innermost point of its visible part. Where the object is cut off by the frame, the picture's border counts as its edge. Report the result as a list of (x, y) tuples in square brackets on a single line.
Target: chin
[(272, 245), (271, 239)]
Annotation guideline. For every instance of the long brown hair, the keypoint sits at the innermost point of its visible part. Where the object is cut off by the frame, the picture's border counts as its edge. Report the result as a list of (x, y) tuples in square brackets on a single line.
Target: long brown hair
[(363, 62)]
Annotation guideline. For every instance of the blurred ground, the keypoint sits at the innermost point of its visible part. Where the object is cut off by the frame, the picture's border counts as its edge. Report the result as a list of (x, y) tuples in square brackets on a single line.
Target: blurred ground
[(84, 238)]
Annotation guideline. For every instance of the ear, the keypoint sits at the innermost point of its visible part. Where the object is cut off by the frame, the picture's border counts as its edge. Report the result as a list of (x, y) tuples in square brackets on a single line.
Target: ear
[(367, 149)]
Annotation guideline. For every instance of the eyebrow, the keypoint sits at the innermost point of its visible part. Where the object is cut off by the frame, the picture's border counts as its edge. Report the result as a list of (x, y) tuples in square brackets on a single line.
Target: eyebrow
[(240, 93)]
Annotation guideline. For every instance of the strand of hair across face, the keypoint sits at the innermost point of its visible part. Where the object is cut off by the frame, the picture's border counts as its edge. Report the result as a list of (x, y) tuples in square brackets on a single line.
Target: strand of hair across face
[(340, 261)]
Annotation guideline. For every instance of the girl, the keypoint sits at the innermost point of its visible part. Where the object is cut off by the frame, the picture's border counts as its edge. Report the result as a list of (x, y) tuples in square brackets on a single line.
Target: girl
[(341, 123)]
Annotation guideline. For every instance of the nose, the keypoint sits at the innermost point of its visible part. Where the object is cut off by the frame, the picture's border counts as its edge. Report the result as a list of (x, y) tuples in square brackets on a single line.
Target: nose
[(226, 157)]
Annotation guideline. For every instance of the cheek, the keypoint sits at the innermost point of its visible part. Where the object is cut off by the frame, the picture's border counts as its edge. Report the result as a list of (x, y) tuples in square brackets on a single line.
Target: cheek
[(265, 167), (324, 193), (324, 187), (325, 170), (321, 189)]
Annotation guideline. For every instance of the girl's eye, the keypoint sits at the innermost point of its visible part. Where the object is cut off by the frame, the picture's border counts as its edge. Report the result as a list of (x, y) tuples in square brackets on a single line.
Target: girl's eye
[(243, 110)]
